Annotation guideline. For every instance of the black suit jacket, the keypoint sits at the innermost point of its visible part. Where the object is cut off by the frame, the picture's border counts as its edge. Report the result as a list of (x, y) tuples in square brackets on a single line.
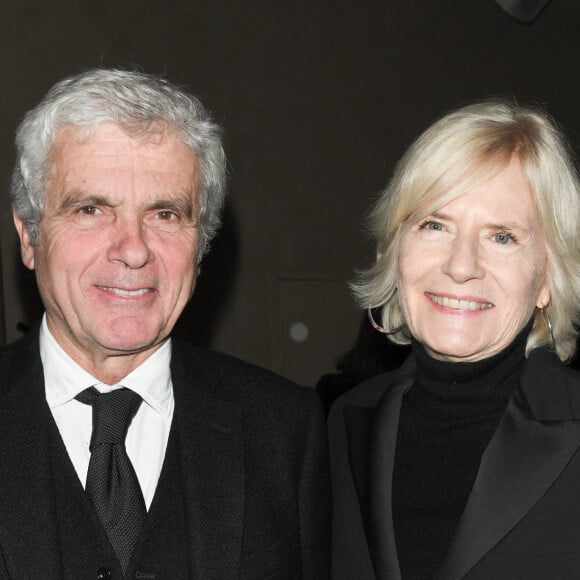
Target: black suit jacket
[(253, 460), (522, 519)]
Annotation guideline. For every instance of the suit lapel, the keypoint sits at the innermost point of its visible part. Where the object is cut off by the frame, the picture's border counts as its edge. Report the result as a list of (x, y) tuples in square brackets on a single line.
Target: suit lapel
[(212, 462), (535, 440), (28, 526)]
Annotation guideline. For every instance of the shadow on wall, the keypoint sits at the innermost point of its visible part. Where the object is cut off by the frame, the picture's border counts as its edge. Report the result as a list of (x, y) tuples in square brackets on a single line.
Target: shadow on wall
[(28, 295), (371, 354), (2, 322), (214, 288), (199, 319)]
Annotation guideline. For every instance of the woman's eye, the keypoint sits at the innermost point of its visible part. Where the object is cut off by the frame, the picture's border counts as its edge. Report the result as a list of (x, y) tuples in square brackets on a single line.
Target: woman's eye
[(503, 238), (431, 225)]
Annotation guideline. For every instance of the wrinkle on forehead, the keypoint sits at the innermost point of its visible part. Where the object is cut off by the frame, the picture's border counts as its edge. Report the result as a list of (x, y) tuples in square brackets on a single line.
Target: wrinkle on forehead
[(111, 154)]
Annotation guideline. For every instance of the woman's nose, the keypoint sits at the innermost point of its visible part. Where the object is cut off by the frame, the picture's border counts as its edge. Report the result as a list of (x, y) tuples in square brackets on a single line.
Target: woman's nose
[(463, 262)]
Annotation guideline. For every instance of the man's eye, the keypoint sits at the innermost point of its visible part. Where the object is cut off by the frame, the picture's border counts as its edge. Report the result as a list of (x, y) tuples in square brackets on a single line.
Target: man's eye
[(90, 210), (167, 215)]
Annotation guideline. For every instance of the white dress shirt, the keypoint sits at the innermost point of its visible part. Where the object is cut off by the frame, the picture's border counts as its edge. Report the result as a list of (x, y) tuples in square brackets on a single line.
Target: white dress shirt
[(148, 433)]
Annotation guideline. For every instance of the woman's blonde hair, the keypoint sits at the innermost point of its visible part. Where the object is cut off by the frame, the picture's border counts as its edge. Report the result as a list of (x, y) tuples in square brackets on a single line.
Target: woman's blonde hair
[(461, 150)]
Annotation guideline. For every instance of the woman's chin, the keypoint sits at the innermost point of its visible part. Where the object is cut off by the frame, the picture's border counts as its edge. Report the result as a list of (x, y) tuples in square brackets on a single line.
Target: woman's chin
[(462, 350)]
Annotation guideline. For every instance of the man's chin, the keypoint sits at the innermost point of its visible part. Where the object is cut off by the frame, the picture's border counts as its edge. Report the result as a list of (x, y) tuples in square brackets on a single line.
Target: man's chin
[(131, 341)]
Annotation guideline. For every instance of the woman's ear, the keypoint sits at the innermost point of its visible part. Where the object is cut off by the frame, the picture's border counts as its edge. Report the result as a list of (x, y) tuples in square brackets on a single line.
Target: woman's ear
[(26, 248), (544, 296)]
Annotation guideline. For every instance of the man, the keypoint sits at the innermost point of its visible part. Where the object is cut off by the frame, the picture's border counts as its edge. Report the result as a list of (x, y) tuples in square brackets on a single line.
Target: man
[(214, 469)]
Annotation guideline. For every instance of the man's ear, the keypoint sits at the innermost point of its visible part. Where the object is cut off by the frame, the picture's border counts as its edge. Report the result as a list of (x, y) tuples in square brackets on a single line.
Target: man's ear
[(26, 248)]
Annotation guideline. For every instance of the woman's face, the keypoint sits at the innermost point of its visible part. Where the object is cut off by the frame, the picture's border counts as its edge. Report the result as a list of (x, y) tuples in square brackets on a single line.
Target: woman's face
[(472, 273)]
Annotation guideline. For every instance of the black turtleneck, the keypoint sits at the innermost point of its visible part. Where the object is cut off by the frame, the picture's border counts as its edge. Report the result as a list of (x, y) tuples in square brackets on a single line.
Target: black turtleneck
[(447, 420)]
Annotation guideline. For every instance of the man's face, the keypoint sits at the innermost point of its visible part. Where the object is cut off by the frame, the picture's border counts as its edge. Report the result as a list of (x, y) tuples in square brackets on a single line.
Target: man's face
[(117, 254)]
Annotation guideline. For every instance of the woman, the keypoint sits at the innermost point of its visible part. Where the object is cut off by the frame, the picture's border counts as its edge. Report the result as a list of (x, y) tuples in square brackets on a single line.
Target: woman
[(465, 462)]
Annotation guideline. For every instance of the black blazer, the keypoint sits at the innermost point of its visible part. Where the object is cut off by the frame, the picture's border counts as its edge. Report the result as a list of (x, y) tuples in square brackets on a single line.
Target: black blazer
[(253, 459), (522, 519)]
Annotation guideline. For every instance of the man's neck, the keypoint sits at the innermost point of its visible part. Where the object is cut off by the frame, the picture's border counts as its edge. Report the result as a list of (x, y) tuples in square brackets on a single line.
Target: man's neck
[(108, 367)]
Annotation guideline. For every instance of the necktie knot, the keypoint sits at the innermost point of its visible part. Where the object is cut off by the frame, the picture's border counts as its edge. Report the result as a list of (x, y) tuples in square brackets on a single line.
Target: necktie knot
[(112, 414)]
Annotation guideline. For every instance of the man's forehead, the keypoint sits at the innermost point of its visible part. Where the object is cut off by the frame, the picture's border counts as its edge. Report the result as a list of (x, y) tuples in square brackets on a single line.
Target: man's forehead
[(139, 133), (107, 161), (109, 144)]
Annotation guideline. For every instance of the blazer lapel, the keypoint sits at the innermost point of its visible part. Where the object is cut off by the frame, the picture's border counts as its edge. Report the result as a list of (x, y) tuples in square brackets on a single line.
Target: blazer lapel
[(212, 462), (28, 526), (536, 438), (372, 435), (381, 535)]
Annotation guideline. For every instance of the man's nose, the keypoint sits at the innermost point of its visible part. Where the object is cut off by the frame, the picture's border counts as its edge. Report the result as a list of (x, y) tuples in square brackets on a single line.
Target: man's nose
[(129, 244)]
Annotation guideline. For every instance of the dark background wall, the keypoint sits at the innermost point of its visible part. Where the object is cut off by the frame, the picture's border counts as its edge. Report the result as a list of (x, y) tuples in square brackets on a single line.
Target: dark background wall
[(318, 98)]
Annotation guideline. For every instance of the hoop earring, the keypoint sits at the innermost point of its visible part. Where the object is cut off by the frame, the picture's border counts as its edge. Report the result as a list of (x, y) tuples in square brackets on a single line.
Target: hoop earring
[(549, 325), (380, 328)]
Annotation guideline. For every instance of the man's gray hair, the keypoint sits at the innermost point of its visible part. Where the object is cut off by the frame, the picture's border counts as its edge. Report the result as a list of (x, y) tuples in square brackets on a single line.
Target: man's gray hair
[(142, 105)]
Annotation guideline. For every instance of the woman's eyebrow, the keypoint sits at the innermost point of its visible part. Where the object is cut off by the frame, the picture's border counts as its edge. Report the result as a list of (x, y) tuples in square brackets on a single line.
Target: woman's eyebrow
[(439, 215), (508, 226), (496, 226)]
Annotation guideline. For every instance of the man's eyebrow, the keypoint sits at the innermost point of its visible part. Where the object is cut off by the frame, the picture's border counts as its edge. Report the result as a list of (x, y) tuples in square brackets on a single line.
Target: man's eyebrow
[(78, 199), (182, 205)]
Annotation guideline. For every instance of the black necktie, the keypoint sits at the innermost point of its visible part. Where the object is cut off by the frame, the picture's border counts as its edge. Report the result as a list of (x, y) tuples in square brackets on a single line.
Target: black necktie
[(112, 484)]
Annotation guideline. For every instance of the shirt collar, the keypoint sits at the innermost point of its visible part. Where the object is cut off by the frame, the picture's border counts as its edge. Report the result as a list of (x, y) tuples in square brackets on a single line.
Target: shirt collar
[(64, 378)]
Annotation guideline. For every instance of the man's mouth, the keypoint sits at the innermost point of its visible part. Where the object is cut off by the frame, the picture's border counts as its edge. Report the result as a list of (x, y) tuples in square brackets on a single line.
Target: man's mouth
[(459, 304), (125, 293)]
